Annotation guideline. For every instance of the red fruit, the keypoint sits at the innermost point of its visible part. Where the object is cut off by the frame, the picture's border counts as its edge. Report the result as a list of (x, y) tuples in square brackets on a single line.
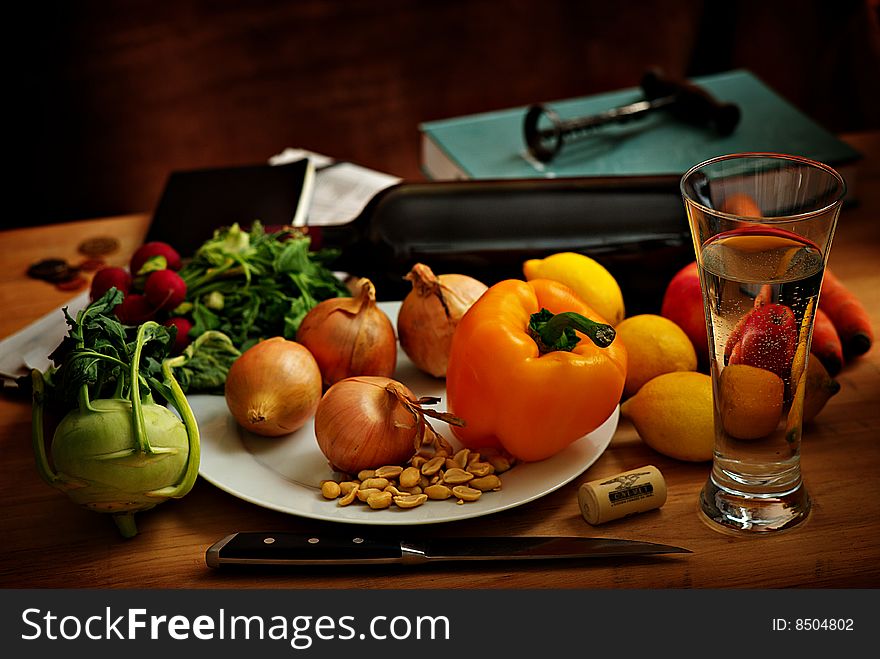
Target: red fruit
[(149, 250), (766, 338), (134, 310), (183, 326), (164, 289), (107, 278), (683, 305)]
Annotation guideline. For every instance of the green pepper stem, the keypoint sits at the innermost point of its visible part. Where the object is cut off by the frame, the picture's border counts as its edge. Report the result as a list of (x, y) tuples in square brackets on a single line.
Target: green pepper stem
[(557, 331)]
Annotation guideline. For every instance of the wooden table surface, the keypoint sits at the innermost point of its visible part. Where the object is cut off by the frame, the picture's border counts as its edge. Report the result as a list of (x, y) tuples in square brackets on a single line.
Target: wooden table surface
[(47, 541)]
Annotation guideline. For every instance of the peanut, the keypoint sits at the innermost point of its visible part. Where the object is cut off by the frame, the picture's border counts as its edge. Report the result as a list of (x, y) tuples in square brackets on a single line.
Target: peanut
[(438, 492), (363, 495), (410, 477), (486, 483), (457, 476), (330, 489), (377, 483), (347, 486), (433, 465), (410, 500), (388, 471), (500, 462), (480, 468), (394, 491), (348, 498), (379, 500), (437, 474), (465, 493)]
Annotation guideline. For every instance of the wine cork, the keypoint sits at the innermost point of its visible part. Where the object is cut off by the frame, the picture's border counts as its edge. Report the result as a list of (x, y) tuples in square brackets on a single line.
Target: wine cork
[(631, 492)]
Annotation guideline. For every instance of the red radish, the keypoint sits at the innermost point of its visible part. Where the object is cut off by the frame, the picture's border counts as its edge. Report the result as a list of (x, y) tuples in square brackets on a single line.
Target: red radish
[(148, 250), (183, 326), (134, 310), (164, 289), (107, 278)]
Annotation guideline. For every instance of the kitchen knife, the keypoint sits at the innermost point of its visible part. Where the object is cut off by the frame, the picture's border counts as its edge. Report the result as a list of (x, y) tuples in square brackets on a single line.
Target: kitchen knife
[(298, 549)]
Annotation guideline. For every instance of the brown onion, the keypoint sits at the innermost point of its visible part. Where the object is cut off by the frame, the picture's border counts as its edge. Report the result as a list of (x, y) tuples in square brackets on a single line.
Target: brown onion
[(350, 336), (367, 422), (274, 387), (430, 313)]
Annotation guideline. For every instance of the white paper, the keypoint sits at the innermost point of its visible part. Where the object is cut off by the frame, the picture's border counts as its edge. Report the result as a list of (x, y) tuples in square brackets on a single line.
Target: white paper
[(31, 346), (342, 189)]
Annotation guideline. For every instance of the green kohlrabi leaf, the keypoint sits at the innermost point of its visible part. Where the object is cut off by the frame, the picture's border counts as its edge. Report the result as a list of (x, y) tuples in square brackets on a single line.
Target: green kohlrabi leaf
[(98, 351)]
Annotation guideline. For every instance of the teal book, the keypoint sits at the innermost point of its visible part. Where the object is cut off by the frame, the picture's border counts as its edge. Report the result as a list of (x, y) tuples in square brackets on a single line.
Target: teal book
[(491, 145)]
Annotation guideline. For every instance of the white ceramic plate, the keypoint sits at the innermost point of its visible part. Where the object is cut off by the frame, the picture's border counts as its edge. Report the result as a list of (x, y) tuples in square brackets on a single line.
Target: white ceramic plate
[(285, 473)]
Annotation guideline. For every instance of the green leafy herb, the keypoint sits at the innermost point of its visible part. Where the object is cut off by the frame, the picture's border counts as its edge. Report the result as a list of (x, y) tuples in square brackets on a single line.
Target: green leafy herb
[(252, 285), (205, 362)]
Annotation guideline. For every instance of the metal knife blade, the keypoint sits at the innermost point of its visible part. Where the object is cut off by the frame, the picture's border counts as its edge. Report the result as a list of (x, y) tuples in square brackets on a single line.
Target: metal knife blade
[(283, 548)]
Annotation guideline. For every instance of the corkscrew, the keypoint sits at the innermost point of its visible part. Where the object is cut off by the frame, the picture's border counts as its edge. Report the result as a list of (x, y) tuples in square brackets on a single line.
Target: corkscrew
[(682, 99)]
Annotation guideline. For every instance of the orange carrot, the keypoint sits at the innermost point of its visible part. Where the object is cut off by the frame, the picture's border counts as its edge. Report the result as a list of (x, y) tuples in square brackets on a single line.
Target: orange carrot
[(847, 314), (741, 204), (826, 344)]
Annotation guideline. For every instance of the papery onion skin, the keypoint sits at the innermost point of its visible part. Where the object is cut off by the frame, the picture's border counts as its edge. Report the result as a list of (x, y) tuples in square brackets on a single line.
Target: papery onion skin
[(274, 387), (430, 313), (359, 424), (350, 336)]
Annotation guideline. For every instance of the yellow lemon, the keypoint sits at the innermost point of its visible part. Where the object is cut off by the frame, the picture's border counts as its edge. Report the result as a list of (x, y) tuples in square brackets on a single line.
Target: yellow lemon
[(673, 415), (751, 401), (654, 345), (586, 277)]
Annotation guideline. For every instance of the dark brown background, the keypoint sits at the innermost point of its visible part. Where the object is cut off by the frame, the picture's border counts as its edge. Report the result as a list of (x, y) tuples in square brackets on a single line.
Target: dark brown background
[(115, 95)]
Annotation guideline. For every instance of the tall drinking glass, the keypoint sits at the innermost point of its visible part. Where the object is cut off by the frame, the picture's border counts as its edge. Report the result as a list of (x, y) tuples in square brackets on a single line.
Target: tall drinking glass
[(762, 226)]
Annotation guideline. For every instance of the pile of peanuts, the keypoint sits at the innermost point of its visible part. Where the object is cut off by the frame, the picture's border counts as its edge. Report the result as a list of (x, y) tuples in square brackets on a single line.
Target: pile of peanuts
[(465, 475)]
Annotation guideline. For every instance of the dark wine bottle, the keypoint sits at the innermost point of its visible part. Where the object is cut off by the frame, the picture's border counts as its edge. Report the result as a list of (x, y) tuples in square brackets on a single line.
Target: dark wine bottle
[(636, 227)]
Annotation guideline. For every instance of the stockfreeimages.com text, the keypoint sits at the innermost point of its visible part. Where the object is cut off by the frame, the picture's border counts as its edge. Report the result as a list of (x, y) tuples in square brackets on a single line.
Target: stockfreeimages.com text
[(300, 631)]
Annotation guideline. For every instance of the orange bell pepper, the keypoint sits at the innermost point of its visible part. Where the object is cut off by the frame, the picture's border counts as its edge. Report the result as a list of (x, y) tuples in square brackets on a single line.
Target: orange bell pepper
[(532, 400)]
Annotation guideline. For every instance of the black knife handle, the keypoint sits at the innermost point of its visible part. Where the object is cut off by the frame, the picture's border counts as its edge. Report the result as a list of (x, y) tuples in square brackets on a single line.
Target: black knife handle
[(284, 548)]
